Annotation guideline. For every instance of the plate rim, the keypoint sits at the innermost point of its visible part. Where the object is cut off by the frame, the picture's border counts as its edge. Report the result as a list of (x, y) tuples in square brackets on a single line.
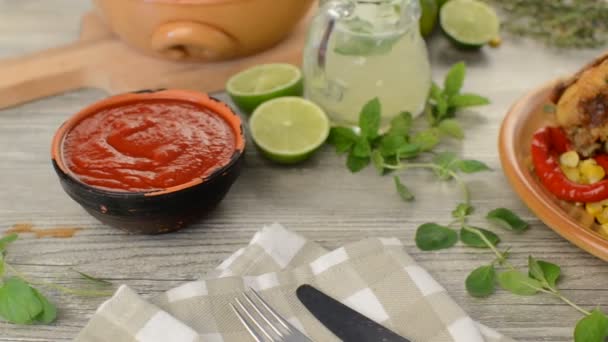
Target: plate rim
[(551, 215)]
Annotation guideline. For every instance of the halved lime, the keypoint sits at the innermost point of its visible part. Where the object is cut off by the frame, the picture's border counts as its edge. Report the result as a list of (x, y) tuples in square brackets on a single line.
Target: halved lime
[(256, 85), (469, 23), (289, 129)]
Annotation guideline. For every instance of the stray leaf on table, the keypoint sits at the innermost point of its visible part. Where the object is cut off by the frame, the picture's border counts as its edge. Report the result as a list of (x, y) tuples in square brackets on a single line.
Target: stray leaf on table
[(592, 328), (463, 210), (426, 139), (431, 237), (8, 239), (481, 282), (378, 161), (452, 128), (459, 101), (518, 283), (543, 271), (471, 239), (19, 303), (454, 79), (401, 124), (507, 219), (369, 119), (403, 191), (472, 166), (49, 311), (342, 138), (356, 164), (93, 279)]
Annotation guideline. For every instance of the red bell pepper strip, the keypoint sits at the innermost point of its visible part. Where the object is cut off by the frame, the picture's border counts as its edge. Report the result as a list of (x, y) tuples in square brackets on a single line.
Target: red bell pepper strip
[(547, 144)]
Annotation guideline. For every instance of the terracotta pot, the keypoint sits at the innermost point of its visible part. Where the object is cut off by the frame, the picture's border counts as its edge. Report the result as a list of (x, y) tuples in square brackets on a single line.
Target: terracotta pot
[(157, 211), (202, 30)]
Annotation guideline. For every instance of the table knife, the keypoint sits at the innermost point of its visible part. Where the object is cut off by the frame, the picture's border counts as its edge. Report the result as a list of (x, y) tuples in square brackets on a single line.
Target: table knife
[(344, 322)]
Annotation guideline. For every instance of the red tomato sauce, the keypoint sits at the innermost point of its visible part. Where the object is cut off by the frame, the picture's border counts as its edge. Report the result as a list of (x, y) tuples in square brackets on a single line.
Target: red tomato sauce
[(148, 145)]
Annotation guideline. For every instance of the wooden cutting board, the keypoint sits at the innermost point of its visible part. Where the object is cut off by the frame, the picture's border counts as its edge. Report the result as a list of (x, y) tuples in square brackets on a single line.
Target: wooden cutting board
[(101, 60)]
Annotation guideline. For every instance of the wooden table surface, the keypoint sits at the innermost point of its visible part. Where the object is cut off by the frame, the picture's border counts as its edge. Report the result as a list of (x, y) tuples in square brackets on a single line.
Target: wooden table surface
[(319, 198)]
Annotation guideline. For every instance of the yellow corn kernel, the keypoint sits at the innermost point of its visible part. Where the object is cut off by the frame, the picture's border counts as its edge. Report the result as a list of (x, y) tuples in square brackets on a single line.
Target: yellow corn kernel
[(603, 216), (593, 173), (572, 173), (570, 159), (604, 230), (594, 208), (589, 161)]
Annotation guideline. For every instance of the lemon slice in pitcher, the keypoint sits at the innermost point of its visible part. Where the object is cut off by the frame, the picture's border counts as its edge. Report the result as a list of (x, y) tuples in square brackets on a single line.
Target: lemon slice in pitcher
[(469, 24), (254, 86), (288, 130)]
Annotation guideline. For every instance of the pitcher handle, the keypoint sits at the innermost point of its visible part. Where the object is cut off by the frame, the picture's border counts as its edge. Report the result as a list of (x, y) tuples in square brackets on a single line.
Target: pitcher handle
[(331, 12)]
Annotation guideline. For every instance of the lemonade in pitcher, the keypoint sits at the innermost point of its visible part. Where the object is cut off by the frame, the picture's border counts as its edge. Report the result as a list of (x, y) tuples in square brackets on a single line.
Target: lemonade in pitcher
[(358, 50)]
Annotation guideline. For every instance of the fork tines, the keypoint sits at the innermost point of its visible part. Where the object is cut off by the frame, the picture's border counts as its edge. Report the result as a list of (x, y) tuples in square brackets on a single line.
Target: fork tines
[(262, 322)]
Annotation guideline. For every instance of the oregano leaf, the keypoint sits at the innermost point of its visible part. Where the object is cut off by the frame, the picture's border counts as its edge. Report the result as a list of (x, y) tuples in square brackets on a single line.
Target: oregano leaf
[(431, 237), (481, 282)]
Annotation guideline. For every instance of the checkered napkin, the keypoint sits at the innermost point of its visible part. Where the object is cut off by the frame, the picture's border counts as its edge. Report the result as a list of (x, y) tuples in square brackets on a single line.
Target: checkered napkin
[(374, 276)]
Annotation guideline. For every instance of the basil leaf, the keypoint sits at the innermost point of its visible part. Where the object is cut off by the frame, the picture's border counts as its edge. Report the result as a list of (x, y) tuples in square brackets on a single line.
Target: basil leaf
[(378, 161), (518, 283), (462, 210), (454, 79), (436, 92), (431, 237), (426, 140), (8, 239), (19, 303), (369, 119), (481, 282), (445, 159), (441, 109), (403, 191), (472, 239), (545, 272), (507, 219), (408, 151), (356, 164), (390, 144), (361, 148), (592, 328), (362, 45), (342, 138), (472, 166), (49, 311), (459, 101), (401, 124), (93, 279), (452, 128)]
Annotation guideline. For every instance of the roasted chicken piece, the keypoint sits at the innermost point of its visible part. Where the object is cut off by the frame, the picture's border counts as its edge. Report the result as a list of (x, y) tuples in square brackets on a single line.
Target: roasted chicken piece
[(582, 107)]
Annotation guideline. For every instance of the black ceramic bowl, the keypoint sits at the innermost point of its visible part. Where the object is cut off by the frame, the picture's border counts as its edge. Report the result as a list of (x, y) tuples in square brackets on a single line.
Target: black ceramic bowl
[(159, 211)]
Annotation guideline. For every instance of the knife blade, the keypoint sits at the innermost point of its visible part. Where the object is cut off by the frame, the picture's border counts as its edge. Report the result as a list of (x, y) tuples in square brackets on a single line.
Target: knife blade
[(344, 322)]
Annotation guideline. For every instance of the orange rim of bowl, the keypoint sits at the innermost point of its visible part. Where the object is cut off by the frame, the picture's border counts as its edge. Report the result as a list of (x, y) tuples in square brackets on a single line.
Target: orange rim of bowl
[(529, 188), (201, 99)]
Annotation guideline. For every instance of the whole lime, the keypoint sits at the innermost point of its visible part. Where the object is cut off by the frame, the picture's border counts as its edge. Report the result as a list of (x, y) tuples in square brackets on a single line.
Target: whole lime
[(428, 19)]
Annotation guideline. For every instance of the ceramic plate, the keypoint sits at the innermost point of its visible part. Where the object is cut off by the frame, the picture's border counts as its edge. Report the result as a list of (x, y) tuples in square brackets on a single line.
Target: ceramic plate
[(565, 218)]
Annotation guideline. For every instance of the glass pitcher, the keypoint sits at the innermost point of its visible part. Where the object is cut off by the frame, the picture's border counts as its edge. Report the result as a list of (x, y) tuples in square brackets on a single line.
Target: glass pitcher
[(361, 49)]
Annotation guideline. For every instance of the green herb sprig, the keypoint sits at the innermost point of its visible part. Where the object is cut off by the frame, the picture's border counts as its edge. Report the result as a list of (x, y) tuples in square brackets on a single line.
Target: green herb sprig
[(21, 303), (400, 149), (559, 23)]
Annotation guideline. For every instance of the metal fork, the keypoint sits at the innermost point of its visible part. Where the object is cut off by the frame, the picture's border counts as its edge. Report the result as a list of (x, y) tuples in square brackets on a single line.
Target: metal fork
[(263, 323)]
